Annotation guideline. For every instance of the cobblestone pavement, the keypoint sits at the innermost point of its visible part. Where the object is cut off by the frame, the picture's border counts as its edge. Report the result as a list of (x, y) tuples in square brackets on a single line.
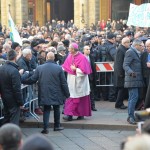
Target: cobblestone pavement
[(79, 139)]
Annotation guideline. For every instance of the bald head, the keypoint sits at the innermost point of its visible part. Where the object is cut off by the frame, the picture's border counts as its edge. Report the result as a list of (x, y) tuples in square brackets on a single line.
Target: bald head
[(50, 56), (126, 42), (147, 42)]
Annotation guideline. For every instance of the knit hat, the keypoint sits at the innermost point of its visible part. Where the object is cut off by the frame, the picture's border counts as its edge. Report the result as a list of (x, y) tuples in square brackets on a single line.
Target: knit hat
[(61, 48)]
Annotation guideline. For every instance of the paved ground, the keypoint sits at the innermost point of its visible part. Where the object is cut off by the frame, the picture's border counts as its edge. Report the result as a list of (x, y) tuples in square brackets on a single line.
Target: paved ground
[(107, 117), (83, 139), (104, 130)]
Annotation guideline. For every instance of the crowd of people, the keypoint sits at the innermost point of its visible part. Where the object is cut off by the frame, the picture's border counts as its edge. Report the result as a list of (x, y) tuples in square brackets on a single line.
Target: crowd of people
[(61, 57)]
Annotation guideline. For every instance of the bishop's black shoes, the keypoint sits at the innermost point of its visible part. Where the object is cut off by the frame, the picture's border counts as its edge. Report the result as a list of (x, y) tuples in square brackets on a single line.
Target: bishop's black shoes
[(67, 118)]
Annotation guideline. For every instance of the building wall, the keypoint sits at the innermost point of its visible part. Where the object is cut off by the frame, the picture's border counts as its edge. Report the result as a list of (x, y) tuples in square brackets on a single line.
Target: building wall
[(86, 12), (18, 10)]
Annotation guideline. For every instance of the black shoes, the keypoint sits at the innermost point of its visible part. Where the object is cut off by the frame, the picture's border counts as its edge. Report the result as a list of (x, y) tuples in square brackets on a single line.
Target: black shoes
[(67, 118), (80, 118), (131, 121), (58, 128), (44, 131), (121, 107), (94, 109)]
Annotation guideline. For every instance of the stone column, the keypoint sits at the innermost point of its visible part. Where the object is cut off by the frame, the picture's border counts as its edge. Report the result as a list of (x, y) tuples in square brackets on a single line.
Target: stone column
[(93, 11), (4, 14), (77, 12), (40, 11)]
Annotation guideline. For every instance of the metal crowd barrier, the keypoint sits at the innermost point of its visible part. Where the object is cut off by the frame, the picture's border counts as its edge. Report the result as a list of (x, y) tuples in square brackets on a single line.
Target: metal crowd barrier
[(30, 100), (105, 72), (2, 61), (28, 103), (1, 109)]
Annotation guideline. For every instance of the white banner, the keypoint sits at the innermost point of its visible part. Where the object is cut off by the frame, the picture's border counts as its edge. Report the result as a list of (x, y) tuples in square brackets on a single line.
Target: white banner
[(139, 15)]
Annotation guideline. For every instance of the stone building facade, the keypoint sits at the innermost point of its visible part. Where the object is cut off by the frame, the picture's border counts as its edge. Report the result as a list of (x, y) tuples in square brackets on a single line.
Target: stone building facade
[(83, 12)]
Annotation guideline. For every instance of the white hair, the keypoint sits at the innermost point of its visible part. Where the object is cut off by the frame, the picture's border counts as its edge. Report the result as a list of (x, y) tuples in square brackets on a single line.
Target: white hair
[(5, 46), (26, 51), (67, 37)]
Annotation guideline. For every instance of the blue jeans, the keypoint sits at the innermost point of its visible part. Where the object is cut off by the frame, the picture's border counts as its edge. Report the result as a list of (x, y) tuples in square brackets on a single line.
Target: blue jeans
[(133, 98)]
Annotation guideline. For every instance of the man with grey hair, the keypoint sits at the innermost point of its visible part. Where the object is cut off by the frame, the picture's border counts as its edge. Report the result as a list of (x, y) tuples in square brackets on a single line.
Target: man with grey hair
[(24, 61), (133, 76), (10, 137)]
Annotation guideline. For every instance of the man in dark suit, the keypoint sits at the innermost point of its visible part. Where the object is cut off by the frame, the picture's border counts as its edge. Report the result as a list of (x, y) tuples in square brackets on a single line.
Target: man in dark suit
[(52, 90), (92, 76), (146, 72), (119, 73), (10, 89)]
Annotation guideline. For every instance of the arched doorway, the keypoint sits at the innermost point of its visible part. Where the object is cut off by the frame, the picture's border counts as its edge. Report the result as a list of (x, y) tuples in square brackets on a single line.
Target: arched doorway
[(62, 9)]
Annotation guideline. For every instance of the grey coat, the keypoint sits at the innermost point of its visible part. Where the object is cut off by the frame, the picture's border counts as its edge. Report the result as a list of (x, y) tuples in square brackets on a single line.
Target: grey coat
[(52, 84), (132, 64)]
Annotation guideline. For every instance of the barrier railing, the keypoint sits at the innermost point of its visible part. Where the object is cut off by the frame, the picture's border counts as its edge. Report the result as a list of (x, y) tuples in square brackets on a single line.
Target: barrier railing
[(28, 103), (104, 73)]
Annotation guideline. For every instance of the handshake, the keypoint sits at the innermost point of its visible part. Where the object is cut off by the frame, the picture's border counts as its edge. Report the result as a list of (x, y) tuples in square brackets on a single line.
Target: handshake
[(133, 74)]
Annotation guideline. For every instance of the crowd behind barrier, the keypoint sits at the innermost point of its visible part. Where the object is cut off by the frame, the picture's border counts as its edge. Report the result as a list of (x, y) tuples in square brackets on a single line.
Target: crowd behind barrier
[(103, 39)]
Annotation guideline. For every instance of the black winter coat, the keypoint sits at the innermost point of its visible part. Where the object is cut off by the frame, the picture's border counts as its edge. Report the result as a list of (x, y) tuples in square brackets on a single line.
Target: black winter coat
[(119, 73), (52, 84), (145, 69), (92, 76), (109, 51), (10, 85), (24, 64)]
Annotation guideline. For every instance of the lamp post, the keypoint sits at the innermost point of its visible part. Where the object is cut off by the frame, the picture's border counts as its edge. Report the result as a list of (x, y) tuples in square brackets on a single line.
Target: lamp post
[(82, 11)]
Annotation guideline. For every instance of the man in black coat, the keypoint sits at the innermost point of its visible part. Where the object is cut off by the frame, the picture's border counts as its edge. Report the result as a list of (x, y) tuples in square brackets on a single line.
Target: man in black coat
[(119, 73), (92, 76), (108, 55), (52, 90), (10, 89), (145, 59)]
